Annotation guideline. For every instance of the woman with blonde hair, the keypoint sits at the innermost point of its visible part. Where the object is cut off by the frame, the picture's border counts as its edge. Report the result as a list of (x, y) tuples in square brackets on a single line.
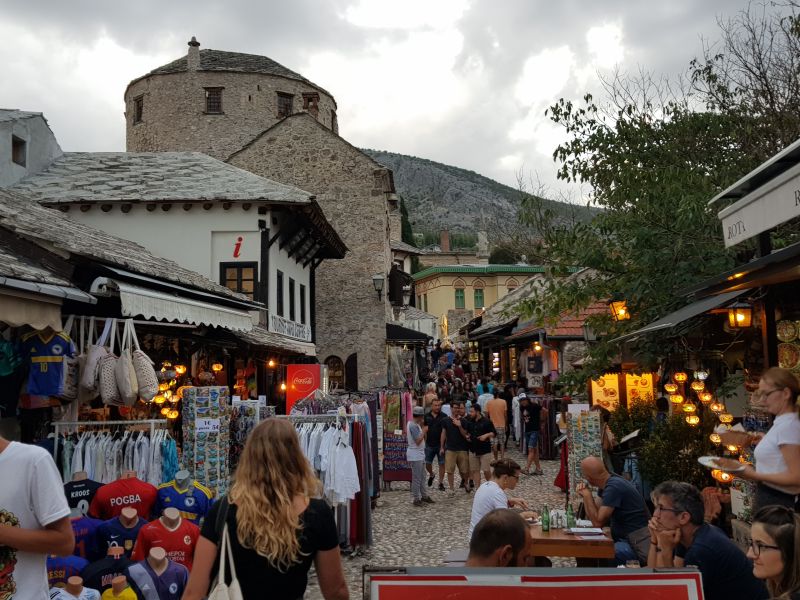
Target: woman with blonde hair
[(775, 551), (429, 397), (276, 526)]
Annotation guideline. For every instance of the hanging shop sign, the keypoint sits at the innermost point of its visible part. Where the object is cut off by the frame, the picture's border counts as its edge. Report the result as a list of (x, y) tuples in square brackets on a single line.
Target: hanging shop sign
[(605, 391), (457, 583), (301, 381), (289, 328), (639, 387)]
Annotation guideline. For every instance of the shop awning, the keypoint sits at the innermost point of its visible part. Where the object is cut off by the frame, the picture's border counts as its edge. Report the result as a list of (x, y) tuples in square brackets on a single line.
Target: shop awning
[(161, 306), (493, 329), (262, 337), (18, 311), (682, 314), (399, 334)]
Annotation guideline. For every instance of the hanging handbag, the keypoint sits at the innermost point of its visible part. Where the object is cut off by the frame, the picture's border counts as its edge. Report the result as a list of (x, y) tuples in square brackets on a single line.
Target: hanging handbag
[(145, 373), (221, 590), (69, 373), (123, 370), (109, 392), (95, 351)]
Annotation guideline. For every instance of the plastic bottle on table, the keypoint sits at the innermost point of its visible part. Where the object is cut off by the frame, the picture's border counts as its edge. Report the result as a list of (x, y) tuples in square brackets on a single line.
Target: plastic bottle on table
[(545, 518)]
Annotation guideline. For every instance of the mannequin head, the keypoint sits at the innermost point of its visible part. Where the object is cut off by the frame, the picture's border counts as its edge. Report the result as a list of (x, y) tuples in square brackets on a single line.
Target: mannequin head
[(128, 517), (118, 584), (171, 517), (80, 476), (157, 559), (74, 585), (183, 478), (127, 475), (115, 552)]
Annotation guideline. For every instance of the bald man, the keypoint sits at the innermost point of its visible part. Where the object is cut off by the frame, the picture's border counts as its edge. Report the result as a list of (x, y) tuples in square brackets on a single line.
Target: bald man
[(619, 504)]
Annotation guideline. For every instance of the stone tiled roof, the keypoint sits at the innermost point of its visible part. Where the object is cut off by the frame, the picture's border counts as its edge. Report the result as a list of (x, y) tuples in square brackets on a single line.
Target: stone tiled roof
[(407, 248), (13, 265), (151, 176), (262, 337), (52, 229), (237, 62), (13, 114)]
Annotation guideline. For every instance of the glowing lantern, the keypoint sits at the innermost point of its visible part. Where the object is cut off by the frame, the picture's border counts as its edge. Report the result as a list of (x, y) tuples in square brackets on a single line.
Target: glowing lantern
[(283, 387), (271, 364), (706, 397), (165, 411), (163, 387), (680, 377), (180, 369), (692, 420), (168, 394), (216, 367), (537, 347), (702, 375), (715, 438), (670, 388), (689, 408), (159, 399), (733, 448), (165, 365), (717, 407), (726, 418), (740, 315), (698, 386), (619, 310), (721, 476), (173, 414), (676, 398)]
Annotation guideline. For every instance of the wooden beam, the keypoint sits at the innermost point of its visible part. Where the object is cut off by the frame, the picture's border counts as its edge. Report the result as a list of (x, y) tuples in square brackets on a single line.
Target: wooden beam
[(150, 207), (273, 239), (207, 205), (166, 206), (126, 208), (312, 249), (187, 206), (86, 207), (301, 240), (311, 255), (246, 206), (227, 205), (105, 207), (290, 236)]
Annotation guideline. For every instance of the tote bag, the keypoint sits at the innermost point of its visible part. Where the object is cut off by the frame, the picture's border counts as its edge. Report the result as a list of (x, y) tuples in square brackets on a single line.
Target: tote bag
[(69, 374), (109, 392), (221, 590), (123, 369), (145, 373), (95, 351)]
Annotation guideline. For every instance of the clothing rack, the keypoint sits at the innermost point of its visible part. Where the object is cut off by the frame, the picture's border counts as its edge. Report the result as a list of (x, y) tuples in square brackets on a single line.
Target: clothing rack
[(58, 425)]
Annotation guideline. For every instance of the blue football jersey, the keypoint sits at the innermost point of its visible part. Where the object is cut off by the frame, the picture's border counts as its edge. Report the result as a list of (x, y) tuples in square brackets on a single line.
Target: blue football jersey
[(114, 533), (85, 530), (46, 357), (193, 503), (61, 568)]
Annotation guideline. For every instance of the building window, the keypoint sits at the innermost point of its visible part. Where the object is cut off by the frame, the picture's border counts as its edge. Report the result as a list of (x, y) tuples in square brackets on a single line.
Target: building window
[(302, 304), (285, 105), (240, 277), (334, 122), (19, 151), (479, 298), (279, 294), (291, 299), (310, 100), (425, 302), (214, 101), (419, 302), (138, 107), (460, 301)]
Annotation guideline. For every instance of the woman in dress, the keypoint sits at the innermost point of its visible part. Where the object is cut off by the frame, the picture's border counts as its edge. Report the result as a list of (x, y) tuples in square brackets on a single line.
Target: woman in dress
[(775, 550), (275, 524)]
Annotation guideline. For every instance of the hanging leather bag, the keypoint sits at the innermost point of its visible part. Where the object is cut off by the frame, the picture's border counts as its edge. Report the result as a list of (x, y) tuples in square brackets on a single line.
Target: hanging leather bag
[(144, 367), (109, 392), (124, 371), (95, 351)]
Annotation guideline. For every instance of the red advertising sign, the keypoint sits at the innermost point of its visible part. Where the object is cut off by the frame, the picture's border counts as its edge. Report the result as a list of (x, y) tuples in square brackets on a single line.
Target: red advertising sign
[(553, 584), (301, 380)]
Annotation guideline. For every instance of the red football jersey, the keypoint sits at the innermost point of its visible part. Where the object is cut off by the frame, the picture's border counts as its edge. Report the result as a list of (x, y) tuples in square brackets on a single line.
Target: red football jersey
[(111, 498), (179, 543)]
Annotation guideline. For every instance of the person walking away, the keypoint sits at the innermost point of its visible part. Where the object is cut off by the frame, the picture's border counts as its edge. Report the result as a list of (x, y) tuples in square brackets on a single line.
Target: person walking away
[(679, 537), (619, 505), (531, 415), (434, 450), (481, 433), (415, 455), (276, 523), (492, 494), (497, 409), (455, 440), (34, 520), (775, 550)]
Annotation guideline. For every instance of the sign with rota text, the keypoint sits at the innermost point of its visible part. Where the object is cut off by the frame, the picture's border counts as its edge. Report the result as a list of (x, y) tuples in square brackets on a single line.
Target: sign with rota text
[(605, 391), (639, 387), (301, 381), (463, 583)]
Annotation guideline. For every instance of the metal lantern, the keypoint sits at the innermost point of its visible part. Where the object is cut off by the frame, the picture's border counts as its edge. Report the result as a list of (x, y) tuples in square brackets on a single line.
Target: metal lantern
[(619, 310), (706, 397), (740, 315), (726, 418), (715, 438), (180, 369), (670, 388), (689, 408), (676, 398), (159, 399), (173, 414), (692, 420), (680, 376), (216, 367), (165, 411), (698, 386), (721, 476), (717, 407), (733, 448), (702, 374)]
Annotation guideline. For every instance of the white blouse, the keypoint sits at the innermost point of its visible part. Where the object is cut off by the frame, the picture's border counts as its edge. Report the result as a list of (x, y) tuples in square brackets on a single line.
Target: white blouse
[(785, 431)]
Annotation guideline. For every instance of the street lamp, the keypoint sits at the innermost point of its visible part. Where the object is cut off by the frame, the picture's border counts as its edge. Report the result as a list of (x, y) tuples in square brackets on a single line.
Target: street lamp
[(377, 282), (619, 310), (740, 315)]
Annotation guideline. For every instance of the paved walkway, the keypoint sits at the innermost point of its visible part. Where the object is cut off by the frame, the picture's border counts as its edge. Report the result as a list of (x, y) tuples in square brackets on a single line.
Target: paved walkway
[(405, 535)]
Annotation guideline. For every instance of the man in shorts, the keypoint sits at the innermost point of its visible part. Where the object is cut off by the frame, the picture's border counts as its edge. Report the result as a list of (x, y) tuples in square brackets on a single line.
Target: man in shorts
[(433, 442), (497, 409), (481, 433), (531, 415), (455, 440)]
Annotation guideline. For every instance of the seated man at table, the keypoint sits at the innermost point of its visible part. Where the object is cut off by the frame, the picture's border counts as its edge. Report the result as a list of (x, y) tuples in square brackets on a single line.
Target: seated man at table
[(679, 537), (500, 539), (619, 505)]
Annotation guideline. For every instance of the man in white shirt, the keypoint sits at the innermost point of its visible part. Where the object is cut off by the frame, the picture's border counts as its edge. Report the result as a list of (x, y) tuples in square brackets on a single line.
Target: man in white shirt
[(415, 455), (34, 520)]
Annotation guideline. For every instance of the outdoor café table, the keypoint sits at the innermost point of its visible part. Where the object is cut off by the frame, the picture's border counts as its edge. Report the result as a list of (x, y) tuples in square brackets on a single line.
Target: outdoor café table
[(590, 551)]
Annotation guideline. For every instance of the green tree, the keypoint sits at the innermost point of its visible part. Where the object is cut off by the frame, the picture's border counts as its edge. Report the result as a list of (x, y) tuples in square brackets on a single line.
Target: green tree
[(501, 255)]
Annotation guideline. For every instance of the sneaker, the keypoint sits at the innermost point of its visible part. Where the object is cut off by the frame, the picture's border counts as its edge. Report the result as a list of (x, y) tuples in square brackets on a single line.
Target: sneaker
[(417, 503), (430, 481), (441, 487), (428, 499)]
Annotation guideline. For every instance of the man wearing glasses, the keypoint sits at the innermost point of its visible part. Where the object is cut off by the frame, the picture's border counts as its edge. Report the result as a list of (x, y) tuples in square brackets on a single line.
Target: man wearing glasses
[(679, 537)]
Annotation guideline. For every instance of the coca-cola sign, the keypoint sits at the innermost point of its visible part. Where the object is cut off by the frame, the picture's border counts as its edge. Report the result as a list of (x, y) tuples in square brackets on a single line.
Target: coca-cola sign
[(301, 381)]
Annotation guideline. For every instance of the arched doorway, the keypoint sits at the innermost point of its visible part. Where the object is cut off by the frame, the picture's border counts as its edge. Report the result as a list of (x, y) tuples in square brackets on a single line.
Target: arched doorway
[(351, 373), (335, 372)]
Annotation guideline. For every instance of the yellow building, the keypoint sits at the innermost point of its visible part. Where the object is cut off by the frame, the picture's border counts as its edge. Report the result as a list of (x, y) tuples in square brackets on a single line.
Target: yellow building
[(470, 288)]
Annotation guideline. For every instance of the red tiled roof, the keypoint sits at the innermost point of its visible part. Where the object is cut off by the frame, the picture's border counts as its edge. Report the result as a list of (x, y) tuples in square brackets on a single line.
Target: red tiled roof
[(571, 324)]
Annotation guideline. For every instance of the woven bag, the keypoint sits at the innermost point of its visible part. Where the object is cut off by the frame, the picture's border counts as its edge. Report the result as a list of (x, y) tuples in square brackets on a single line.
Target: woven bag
[(69, 374), (107, 378), (145, 373), (123, 370), (95, 351)]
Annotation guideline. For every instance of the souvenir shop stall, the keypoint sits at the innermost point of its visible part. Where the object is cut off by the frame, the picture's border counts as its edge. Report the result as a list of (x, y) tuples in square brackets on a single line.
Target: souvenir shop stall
[(396, 411), (548, 431)]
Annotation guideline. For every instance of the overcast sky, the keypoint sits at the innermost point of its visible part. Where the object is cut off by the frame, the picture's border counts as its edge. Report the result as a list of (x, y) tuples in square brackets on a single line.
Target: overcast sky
[(464, 82)]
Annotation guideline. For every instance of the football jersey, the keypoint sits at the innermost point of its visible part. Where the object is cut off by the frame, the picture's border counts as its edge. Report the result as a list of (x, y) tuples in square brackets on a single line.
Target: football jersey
[(98, 575), (114, 533), (193, 503), (178, 543), (150, 586), (46, 357), (85, 530), (80, 493), (126, 594), (61, 568), (110, 499), (86, 594)]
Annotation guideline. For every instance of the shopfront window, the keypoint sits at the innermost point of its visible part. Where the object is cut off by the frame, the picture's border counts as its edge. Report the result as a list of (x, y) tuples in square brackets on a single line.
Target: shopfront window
[(240, 277), (460, 301)]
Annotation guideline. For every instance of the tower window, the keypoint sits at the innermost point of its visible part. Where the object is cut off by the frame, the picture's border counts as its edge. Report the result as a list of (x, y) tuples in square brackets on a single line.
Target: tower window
[(138, 108), (310, 100), (19, 151), (285, 105), (214, 101), (334, 122)]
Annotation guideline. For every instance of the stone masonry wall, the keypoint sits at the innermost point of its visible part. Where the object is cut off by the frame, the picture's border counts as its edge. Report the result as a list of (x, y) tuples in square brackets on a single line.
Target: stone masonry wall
[(174, 119), (351, 190)]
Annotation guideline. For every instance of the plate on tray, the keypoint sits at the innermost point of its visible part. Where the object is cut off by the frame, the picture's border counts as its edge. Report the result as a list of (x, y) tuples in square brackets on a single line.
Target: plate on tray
[(786, 331), (710, 462), (788, 356)]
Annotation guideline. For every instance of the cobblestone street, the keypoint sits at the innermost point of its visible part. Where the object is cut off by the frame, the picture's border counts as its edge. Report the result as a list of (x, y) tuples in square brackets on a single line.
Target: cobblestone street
[(405, 535)]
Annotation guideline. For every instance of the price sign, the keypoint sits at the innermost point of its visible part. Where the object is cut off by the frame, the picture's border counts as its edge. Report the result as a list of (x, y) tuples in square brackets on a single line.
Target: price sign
[(262, 400), (206, 425)]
